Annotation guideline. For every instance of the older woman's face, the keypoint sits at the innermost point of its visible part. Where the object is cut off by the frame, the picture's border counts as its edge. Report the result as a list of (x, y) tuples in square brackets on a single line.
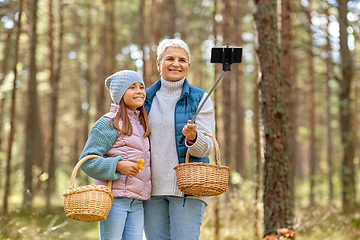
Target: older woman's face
[(174, 65)]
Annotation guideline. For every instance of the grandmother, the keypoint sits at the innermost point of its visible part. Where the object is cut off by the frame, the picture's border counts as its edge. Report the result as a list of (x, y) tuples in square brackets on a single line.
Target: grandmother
[(171, 102)]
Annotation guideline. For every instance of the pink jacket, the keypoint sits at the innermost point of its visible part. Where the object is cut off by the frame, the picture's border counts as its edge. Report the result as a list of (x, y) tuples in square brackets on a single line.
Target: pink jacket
[(131, 148)]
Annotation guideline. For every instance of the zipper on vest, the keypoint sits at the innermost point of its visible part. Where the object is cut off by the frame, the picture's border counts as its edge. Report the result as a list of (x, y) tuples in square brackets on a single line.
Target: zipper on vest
[(145, 156)]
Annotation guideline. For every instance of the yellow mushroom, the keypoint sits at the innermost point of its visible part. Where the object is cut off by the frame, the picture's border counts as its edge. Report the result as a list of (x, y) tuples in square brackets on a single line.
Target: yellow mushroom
[(140, 163)]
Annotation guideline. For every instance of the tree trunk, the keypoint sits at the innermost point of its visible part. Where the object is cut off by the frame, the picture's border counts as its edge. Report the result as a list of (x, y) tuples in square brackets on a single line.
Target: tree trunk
[(356, 105), (157, 16), (2, 110), (12, 118), (287, 73), (216, 203), (50, 181), (295, 112), (356, 111), (143, 46), (239, 99), (4, 68), (171, 7), (102, 72), (256, 128), (54, 82), (2, 78), (88, 79), (78, 114), (277, 196), (328, 113), (311, 107), (112, 41), (347, 132), (33, 138), (225, 86)]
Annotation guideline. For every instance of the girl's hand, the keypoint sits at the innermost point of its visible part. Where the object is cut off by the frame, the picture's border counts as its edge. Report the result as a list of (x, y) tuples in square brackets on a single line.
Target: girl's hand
[(128, 168), (189, 131)]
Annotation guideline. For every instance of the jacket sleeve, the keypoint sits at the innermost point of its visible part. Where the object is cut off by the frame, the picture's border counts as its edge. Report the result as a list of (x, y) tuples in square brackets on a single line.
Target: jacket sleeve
[(205, 122), (101, 139)]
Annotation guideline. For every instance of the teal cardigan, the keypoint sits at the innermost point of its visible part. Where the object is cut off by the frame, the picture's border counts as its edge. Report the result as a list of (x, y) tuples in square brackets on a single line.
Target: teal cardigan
[(101, 139)]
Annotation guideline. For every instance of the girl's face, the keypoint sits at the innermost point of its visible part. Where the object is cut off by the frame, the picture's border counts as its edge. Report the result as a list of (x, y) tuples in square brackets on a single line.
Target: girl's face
[(174, 65), (134, 96)]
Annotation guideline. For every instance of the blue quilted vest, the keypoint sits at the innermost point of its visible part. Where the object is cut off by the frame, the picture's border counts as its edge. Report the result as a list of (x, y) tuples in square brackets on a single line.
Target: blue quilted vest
[(185, 109)]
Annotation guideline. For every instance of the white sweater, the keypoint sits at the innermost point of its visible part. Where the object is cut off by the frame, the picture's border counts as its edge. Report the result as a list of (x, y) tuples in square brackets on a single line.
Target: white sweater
[(162, 139)]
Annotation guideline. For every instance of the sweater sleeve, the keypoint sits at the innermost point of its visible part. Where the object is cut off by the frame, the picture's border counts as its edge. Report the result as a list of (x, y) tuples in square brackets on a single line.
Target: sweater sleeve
[(205, 122), (101, 139)]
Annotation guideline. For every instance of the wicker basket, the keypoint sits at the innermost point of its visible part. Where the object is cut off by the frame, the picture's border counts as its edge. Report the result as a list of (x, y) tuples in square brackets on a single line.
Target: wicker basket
[(202, 179), (90, 203)]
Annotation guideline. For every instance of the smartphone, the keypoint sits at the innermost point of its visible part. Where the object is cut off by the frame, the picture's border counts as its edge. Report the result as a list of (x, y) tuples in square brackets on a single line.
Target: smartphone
[(226, 55)]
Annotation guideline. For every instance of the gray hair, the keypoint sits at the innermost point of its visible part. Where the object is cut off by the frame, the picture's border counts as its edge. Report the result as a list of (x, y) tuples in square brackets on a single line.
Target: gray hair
[(176, 42)]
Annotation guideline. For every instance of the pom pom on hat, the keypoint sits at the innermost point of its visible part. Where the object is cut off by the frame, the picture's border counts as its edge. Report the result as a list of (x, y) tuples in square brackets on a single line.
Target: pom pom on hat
[(119, 82)]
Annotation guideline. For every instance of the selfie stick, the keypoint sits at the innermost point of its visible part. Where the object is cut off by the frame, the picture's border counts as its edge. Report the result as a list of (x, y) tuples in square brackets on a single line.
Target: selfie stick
[(228, 57), (202, 104)]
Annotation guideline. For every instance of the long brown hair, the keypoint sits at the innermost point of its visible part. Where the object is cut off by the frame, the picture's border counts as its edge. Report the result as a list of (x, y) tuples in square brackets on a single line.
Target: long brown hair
[(122, 115)]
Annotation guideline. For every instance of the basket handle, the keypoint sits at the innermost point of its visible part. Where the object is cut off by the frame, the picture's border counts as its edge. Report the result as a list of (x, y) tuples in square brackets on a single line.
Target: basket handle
[(217, 150), (76, 168)]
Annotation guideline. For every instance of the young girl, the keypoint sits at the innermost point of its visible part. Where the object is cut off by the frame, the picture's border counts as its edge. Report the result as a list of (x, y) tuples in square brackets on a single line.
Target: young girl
[(120, 137)]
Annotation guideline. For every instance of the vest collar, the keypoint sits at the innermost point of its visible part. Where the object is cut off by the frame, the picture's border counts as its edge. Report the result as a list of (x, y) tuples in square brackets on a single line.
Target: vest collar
[(151, 91), (115, 107)]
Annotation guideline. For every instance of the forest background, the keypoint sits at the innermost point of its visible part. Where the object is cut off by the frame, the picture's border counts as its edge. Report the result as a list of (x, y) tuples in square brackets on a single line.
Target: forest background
[(287, 117)]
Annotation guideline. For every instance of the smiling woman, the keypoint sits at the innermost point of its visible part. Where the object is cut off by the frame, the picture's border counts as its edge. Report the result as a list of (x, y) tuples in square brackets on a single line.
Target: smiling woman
[(171, 102), (174, 64)]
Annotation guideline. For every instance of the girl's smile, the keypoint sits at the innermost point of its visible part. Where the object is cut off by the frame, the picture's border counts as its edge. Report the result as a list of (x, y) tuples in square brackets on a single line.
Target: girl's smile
[(134, 96)]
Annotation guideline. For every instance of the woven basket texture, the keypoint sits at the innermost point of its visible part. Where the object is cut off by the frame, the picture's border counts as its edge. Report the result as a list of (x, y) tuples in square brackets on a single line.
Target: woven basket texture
[(202, 179), (90, 203)]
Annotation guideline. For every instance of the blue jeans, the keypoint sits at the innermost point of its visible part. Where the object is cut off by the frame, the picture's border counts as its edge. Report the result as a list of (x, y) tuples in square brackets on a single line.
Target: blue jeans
[(170, 217), (125, 220)]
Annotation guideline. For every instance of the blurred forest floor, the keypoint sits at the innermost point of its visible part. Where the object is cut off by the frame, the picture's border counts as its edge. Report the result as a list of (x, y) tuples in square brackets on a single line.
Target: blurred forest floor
[(324, 222)]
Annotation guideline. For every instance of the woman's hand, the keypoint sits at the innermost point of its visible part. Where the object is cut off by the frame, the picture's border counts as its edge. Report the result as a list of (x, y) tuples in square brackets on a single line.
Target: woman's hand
[(189, 131), (128, 168)]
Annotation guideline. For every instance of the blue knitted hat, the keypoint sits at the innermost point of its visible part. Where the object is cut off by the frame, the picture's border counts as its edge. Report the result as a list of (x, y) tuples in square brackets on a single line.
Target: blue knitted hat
[(119, 82)]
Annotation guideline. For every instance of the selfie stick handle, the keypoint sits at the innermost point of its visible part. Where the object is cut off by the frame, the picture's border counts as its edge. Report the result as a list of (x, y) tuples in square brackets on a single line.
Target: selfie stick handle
[(201, 106)]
